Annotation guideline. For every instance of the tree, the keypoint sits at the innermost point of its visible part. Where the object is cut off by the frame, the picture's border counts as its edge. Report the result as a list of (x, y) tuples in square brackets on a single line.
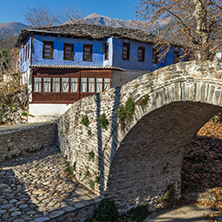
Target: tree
[(7, 40), (72, 15), (40, 17), (196, 24)]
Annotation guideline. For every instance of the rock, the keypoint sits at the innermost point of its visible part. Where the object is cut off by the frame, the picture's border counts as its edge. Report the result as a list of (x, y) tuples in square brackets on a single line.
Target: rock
[(56, 214), (6, 206), (16, 213), (19, 220), (42, 219), (3, 186), (81, 191), (68, 209), (2, 211), (79, 205), (37, 192), (23, 206)]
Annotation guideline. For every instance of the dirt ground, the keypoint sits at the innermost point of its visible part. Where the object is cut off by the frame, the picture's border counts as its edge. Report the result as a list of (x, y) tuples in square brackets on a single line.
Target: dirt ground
[(187, 213)]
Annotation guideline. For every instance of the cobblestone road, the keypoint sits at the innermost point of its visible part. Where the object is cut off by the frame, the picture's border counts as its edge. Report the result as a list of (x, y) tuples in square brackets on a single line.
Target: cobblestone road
[(34, 187)]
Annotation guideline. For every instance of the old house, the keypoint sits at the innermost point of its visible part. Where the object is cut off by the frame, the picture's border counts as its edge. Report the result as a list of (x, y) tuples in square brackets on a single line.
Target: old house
[(62, 64)]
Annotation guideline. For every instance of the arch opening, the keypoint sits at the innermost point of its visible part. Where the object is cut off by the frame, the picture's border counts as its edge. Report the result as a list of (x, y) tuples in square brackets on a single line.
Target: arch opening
[(201, 168), (150, 157)]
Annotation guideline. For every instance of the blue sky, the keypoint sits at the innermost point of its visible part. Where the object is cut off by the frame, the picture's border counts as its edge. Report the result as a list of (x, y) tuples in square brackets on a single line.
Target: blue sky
[(13, 10)]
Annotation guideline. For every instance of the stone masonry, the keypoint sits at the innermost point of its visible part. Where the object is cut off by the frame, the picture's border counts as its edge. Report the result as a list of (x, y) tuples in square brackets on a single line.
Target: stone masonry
[(34, 187), (136, 163), (19, 139)]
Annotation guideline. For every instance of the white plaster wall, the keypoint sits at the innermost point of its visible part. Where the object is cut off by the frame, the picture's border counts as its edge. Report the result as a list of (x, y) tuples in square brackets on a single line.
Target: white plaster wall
[(27, 79), (45, 112), (121, 77)]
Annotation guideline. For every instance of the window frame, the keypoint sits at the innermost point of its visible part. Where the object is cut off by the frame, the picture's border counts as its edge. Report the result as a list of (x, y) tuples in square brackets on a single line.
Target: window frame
[(127, 45), (69, 83), (74, 82), (52, 49), (155, 55), (38, 82), (72, 52), (143, 54), (106, 53), (91, 52)]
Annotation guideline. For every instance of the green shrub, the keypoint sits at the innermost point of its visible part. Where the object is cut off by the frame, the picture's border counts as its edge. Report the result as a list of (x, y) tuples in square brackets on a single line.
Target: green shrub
[(69, 168), (89, 132), (130, 108), (144, 100), (137, 214), (87, 174), (107, 211), (91, 184), (103, 121), (125, 113), (121, 114), (91, 155), (24, 114), (169, 198), (97, 180), (85, 121)]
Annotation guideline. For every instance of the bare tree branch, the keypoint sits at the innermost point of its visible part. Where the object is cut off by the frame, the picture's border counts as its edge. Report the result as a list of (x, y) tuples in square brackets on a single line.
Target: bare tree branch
[(71, 15), (40, 17), (196, 24)]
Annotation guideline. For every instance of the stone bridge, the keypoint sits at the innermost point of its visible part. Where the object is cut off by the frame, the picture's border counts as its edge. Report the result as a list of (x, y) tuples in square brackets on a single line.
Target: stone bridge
[(136, 163)]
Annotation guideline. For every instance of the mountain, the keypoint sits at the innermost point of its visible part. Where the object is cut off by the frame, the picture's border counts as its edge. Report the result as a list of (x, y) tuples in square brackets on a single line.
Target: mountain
[(11, 28), (97, 19)]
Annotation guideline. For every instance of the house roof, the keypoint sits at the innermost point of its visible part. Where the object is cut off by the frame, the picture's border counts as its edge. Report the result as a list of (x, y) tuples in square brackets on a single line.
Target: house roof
[(76, 67), (87, 31)]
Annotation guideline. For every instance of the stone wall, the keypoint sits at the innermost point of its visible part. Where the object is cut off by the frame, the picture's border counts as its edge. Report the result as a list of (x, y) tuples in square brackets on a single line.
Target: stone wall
[(18, 139), (136, 163)]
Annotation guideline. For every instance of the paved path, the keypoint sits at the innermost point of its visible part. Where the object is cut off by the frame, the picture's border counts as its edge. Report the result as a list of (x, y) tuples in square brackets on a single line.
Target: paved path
[(34, 187), (189, 213)]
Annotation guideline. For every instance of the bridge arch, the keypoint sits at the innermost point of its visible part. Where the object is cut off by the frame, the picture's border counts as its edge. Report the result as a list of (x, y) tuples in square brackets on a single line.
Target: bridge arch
[(136, 163)]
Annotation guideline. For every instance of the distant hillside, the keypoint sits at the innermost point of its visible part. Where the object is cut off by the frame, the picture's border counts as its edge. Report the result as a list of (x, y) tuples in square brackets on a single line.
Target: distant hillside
[(11, 28)]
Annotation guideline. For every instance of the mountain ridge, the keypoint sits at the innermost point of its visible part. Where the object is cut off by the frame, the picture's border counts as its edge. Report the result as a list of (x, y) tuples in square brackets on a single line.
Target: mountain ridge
[(13, 28)]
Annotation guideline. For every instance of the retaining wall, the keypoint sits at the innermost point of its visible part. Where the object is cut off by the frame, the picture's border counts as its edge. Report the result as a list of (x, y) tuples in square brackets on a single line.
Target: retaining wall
[(18, 139)]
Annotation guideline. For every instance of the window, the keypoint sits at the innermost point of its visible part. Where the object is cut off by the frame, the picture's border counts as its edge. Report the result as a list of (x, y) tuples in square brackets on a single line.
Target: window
[(37, 84), (141, 54), (74, 85), (65, 85), (91, 85), (87, 52), (48, 50), (46, 84), (83, 85), (99, 84), (155, 56), (68, 51), (107, 51), (55, 84), (176, 57), (126, 51), (106, 83)]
